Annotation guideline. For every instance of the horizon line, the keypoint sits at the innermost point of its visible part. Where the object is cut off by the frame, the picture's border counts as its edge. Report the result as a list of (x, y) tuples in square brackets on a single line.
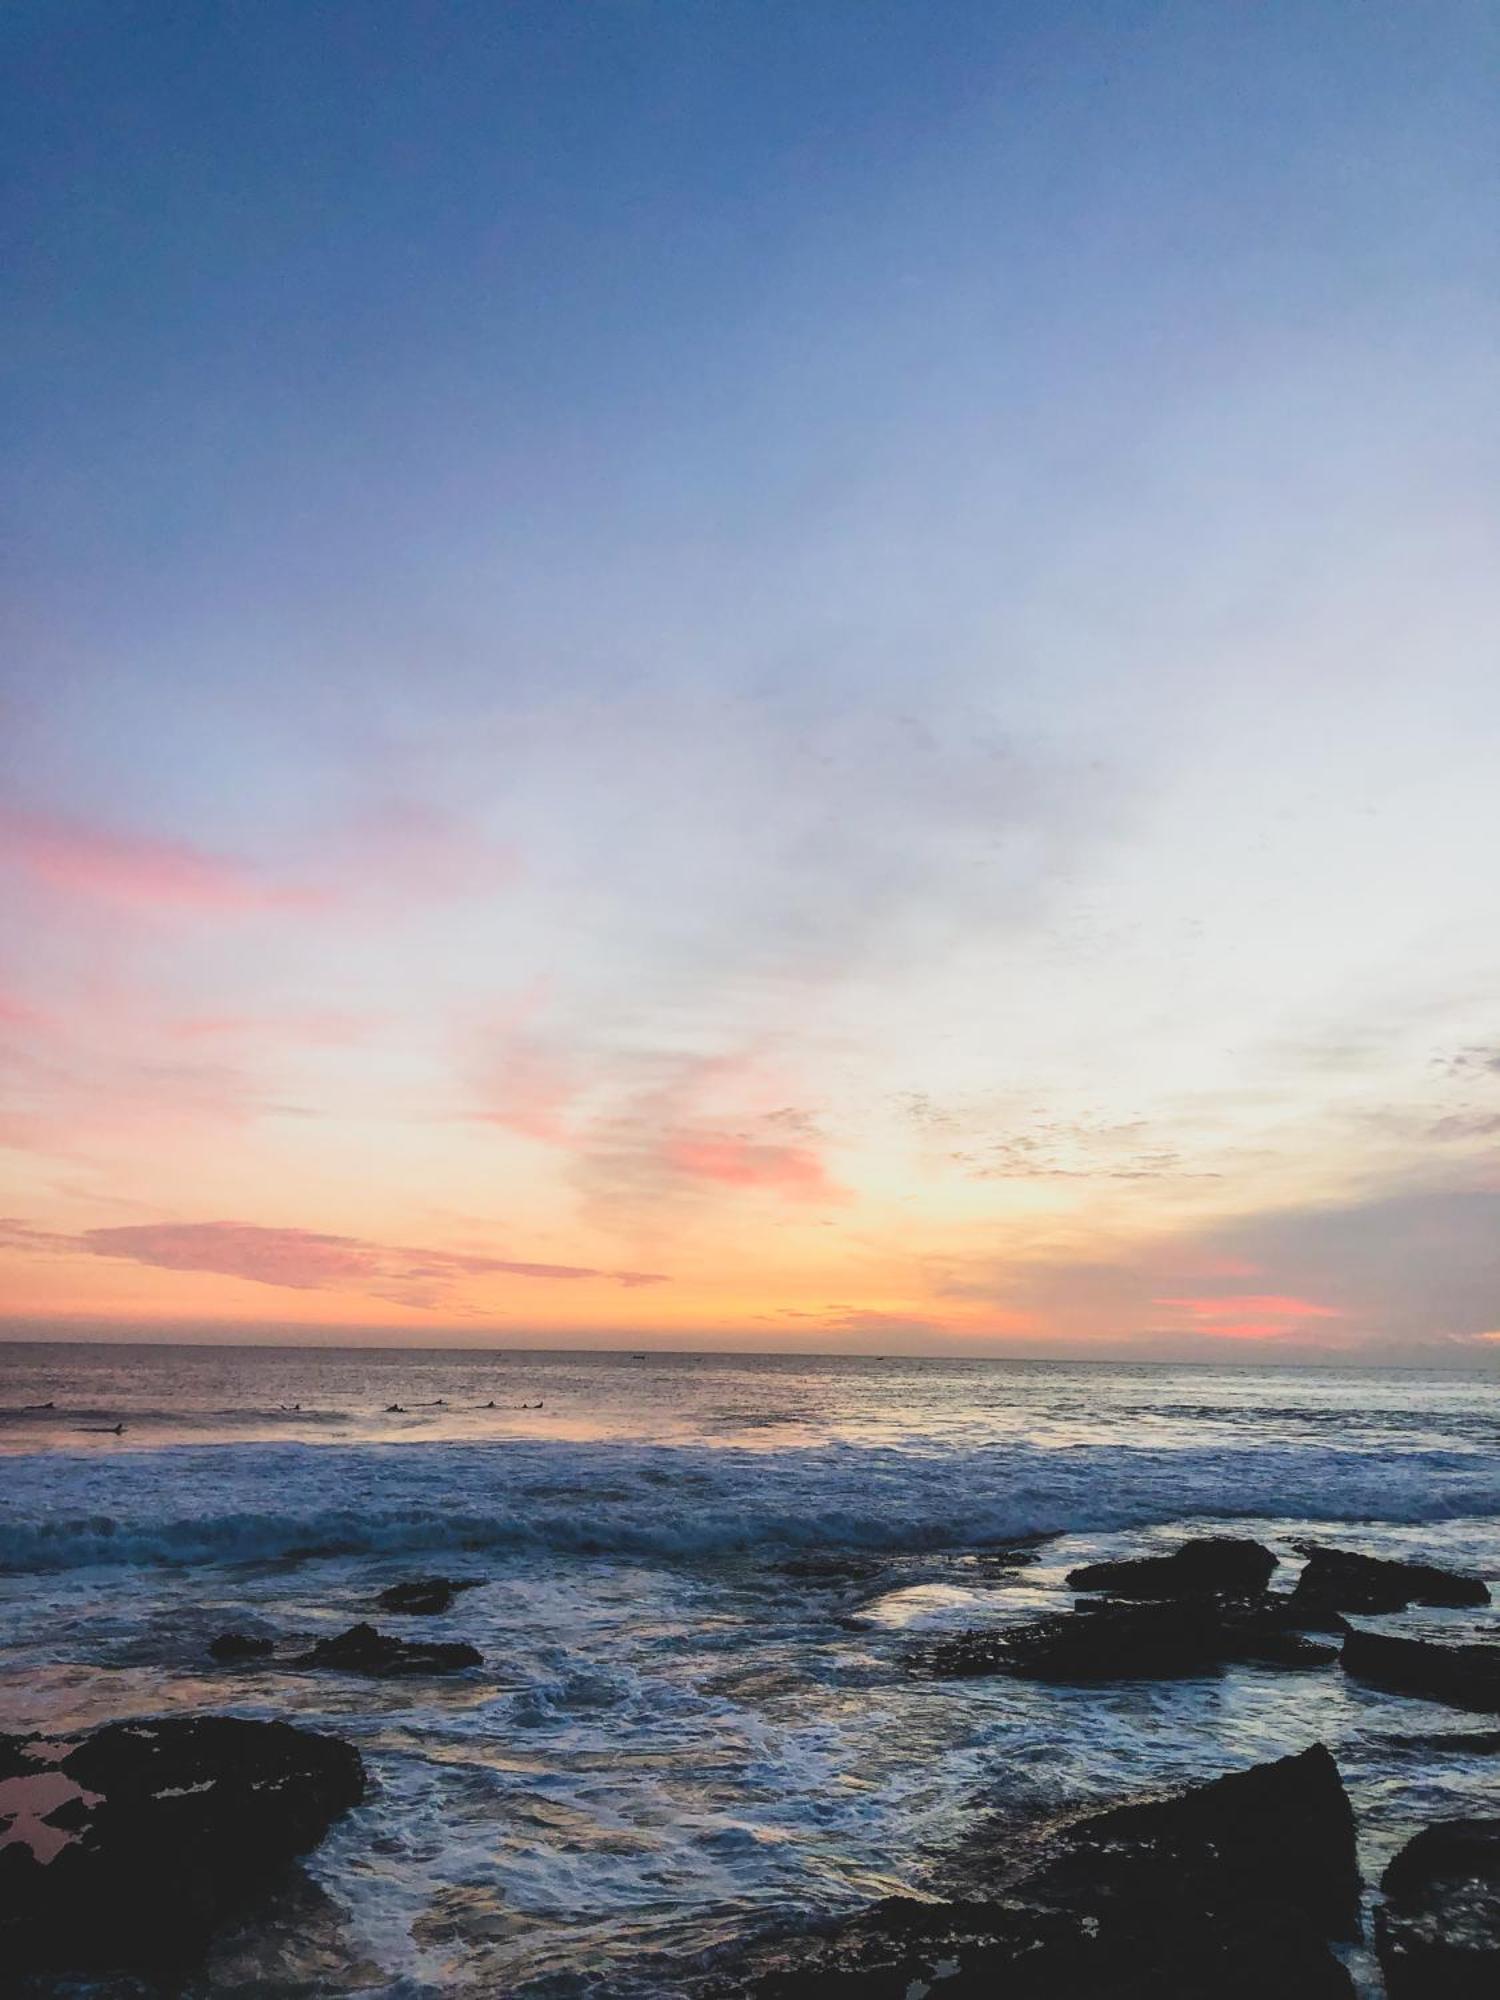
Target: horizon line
[(1325, 1358)]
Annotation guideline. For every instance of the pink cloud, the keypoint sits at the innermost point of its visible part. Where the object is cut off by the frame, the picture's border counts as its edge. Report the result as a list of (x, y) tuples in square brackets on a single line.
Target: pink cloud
[(1274, 1304), (137, 871), (1250, 1315), (322, 1029), (15, 1013), (300, 1259), (526, 1089), (731, 1160)]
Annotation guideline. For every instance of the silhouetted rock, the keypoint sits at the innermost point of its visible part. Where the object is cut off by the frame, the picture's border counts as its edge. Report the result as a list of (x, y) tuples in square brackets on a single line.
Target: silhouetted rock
[(1457, 1742), (1341, 1580), (832, 1569), (126, 1850), (241, 1646), (998, 1951), (1215, 1566), (1277, 1833), (424, 1597), (1231, 1889), (1148, 1641), (1438, 1933), (363, 1650), (1464, 1676)]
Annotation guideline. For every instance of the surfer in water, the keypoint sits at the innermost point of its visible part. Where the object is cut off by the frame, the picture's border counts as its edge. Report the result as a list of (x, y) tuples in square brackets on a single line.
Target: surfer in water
[(104, 1430)]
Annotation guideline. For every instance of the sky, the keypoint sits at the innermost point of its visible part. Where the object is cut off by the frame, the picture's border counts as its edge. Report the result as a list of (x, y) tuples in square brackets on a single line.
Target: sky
[(763, 675)]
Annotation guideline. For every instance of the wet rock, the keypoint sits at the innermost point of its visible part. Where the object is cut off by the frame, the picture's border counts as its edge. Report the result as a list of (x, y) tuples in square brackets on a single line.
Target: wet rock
[(424, 1597), (1456, 1742), (998, 1559), (127, 1850), (1342, 1580), (295, 1945), (1000, 1951), (1277, 1833), (1214, 1566), (834, 1569), (1438, 1933), (1231, 1889), (1464, 1676), (241, 1646), (363, 1650), (1149, 1641)]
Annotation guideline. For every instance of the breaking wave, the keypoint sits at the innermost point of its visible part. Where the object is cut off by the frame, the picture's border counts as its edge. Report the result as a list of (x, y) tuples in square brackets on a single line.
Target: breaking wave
[(233, 1504)]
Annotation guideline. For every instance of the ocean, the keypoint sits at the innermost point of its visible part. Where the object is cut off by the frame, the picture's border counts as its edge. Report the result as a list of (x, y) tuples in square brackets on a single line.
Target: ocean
[(702, 1579)]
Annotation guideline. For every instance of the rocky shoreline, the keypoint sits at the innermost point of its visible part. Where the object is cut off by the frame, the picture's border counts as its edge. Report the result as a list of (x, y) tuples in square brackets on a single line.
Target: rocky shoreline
[(127, 1851)]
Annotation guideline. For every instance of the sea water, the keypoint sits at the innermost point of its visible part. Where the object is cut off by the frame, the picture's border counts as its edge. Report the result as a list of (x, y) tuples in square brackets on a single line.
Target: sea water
[(702, 1582)]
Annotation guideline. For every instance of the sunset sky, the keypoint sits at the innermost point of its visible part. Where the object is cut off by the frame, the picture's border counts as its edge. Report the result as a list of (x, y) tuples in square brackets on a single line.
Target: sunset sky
[(772, 675)]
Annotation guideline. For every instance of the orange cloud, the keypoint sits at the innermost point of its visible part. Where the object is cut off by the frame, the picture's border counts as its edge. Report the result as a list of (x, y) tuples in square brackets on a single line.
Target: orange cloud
[(137, 871)]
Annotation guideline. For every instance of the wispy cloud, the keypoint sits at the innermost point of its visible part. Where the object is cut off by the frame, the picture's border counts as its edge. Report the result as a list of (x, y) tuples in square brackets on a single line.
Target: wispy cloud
[(301, 1259), (737, 1160), (685, 1129), (1480, 1059), (526, 1085), (310, 1027), (17, 1013), (1392, 1276), (74, 858), (1248, 1315)]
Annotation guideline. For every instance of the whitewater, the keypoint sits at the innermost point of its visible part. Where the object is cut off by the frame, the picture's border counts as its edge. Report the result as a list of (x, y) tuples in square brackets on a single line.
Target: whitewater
[(700, 1583)]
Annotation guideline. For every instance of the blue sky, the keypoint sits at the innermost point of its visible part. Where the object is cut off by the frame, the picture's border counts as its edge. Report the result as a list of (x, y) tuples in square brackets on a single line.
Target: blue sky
[(842, 652)]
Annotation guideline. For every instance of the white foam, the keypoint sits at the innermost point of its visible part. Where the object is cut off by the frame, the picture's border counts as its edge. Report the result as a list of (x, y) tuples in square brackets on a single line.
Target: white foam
[(236, 1503)]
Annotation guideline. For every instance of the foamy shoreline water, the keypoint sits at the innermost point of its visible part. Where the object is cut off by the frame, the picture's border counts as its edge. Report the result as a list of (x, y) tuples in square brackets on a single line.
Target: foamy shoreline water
[(683, 1729)]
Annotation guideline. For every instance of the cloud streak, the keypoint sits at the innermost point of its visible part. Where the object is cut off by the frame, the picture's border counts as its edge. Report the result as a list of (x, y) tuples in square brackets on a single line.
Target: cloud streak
[(138, 872), (303, 1260)]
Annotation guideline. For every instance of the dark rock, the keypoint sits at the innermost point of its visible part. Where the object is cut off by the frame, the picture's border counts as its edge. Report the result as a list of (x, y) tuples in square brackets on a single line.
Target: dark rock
[(985, 1560), (1438, 1933), (832, 1569), (1305, 1617), (1115, 1642), (1280, 1832), (1464, 1676), (241, 1646), (363, 1650), (1215, 1566), (1004, 1951), (1231, 1889), (1457, 1742), (1110, 1641), (297, 1945), (128, 1849), (1341, 1580), (901, 1945), (423, 1598)]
